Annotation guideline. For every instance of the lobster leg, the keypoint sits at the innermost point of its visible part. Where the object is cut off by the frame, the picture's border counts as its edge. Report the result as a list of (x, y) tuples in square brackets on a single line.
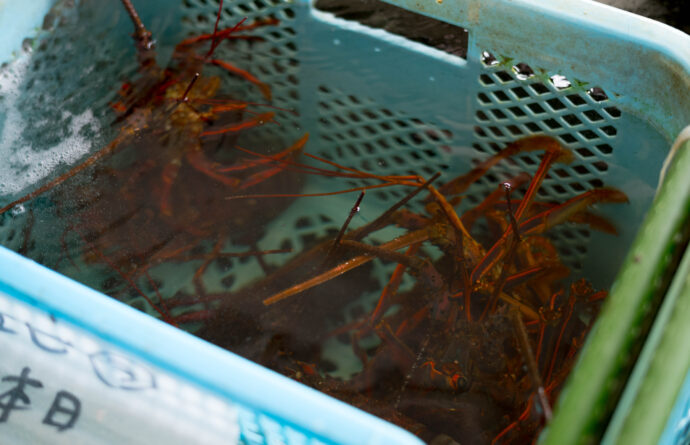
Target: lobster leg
[(200, 162), (264, 175), (397, 243), (568, 210), (244, 74), (531, 143), (255, 121)]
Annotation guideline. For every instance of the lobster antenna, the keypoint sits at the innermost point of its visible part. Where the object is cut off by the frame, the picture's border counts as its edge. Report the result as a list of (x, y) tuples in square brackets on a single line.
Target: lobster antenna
[(142, 36)]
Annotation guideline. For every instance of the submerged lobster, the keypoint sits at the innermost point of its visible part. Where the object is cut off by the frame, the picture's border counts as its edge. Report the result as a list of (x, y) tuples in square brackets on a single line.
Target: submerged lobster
[(476, 350)]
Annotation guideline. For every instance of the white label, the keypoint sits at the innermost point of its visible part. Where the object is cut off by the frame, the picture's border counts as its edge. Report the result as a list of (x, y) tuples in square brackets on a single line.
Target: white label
[(61, 385)]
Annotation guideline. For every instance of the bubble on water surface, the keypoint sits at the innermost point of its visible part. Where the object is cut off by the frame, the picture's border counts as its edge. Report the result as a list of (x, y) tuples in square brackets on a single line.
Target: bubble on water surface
[(23, 166)]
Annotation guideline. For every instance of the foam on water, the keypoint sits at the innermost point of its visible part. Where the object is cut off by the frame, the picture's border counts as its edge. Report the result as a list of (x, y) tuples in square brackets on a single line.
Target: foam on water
[(23, 166)]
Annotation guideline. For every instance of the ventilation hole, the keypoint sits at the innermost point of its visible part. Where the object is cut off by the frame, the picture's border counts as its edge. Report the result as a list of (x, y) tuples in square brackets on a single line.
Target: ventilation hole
[(584, 152), (416, 139), (370, 114), (228, 281), (609, 130), (528, 160), (572, 120), (354, 118), (496, 131), (539, 88), (555, 104), (533, 127), (482, 116), (398, 160), (381, 195), (567, 138), (567, 234), (479, 131), (308, 239), (289, 13), (601, 166), (613, 112), (576, 100), (561, 173), (224, 264), (433, 135), (501, 96), (523, 71), (589, 134), (559, 189), (244, 259), (109, 283), (596, 182), (514, 130), (354, 100), (369, 129), (488, 59), (400, 141), (430, 153), (504, 76), (552, 124), (593, 116), (491, 178), (605, 149), (483, 98), (517, 112), (536, 108), (581, 169), (478, 147), (303, 223), (498, 114), (565, 250), (520, 92), (597, 94), (577, 187), (485, 80)]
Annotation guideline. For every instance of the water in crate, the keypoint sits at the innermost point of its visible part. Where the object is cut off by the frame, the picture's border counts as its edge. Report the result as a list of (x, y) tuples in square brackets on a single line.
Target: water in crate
[(184, 184)]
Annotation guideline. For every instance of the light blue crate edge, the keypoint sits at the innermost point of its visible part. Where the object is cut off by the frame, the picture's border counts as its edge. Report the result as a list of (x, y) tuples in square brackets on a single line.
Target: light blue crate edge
[(225, 374), (19, 20), (677, 430), (644, 63)]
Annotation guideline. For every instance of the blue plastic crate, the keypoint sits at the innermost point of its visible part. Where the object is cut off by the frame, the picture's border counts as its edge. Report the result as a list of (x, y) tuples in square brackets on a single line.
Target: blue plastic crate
[(611, 86)]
